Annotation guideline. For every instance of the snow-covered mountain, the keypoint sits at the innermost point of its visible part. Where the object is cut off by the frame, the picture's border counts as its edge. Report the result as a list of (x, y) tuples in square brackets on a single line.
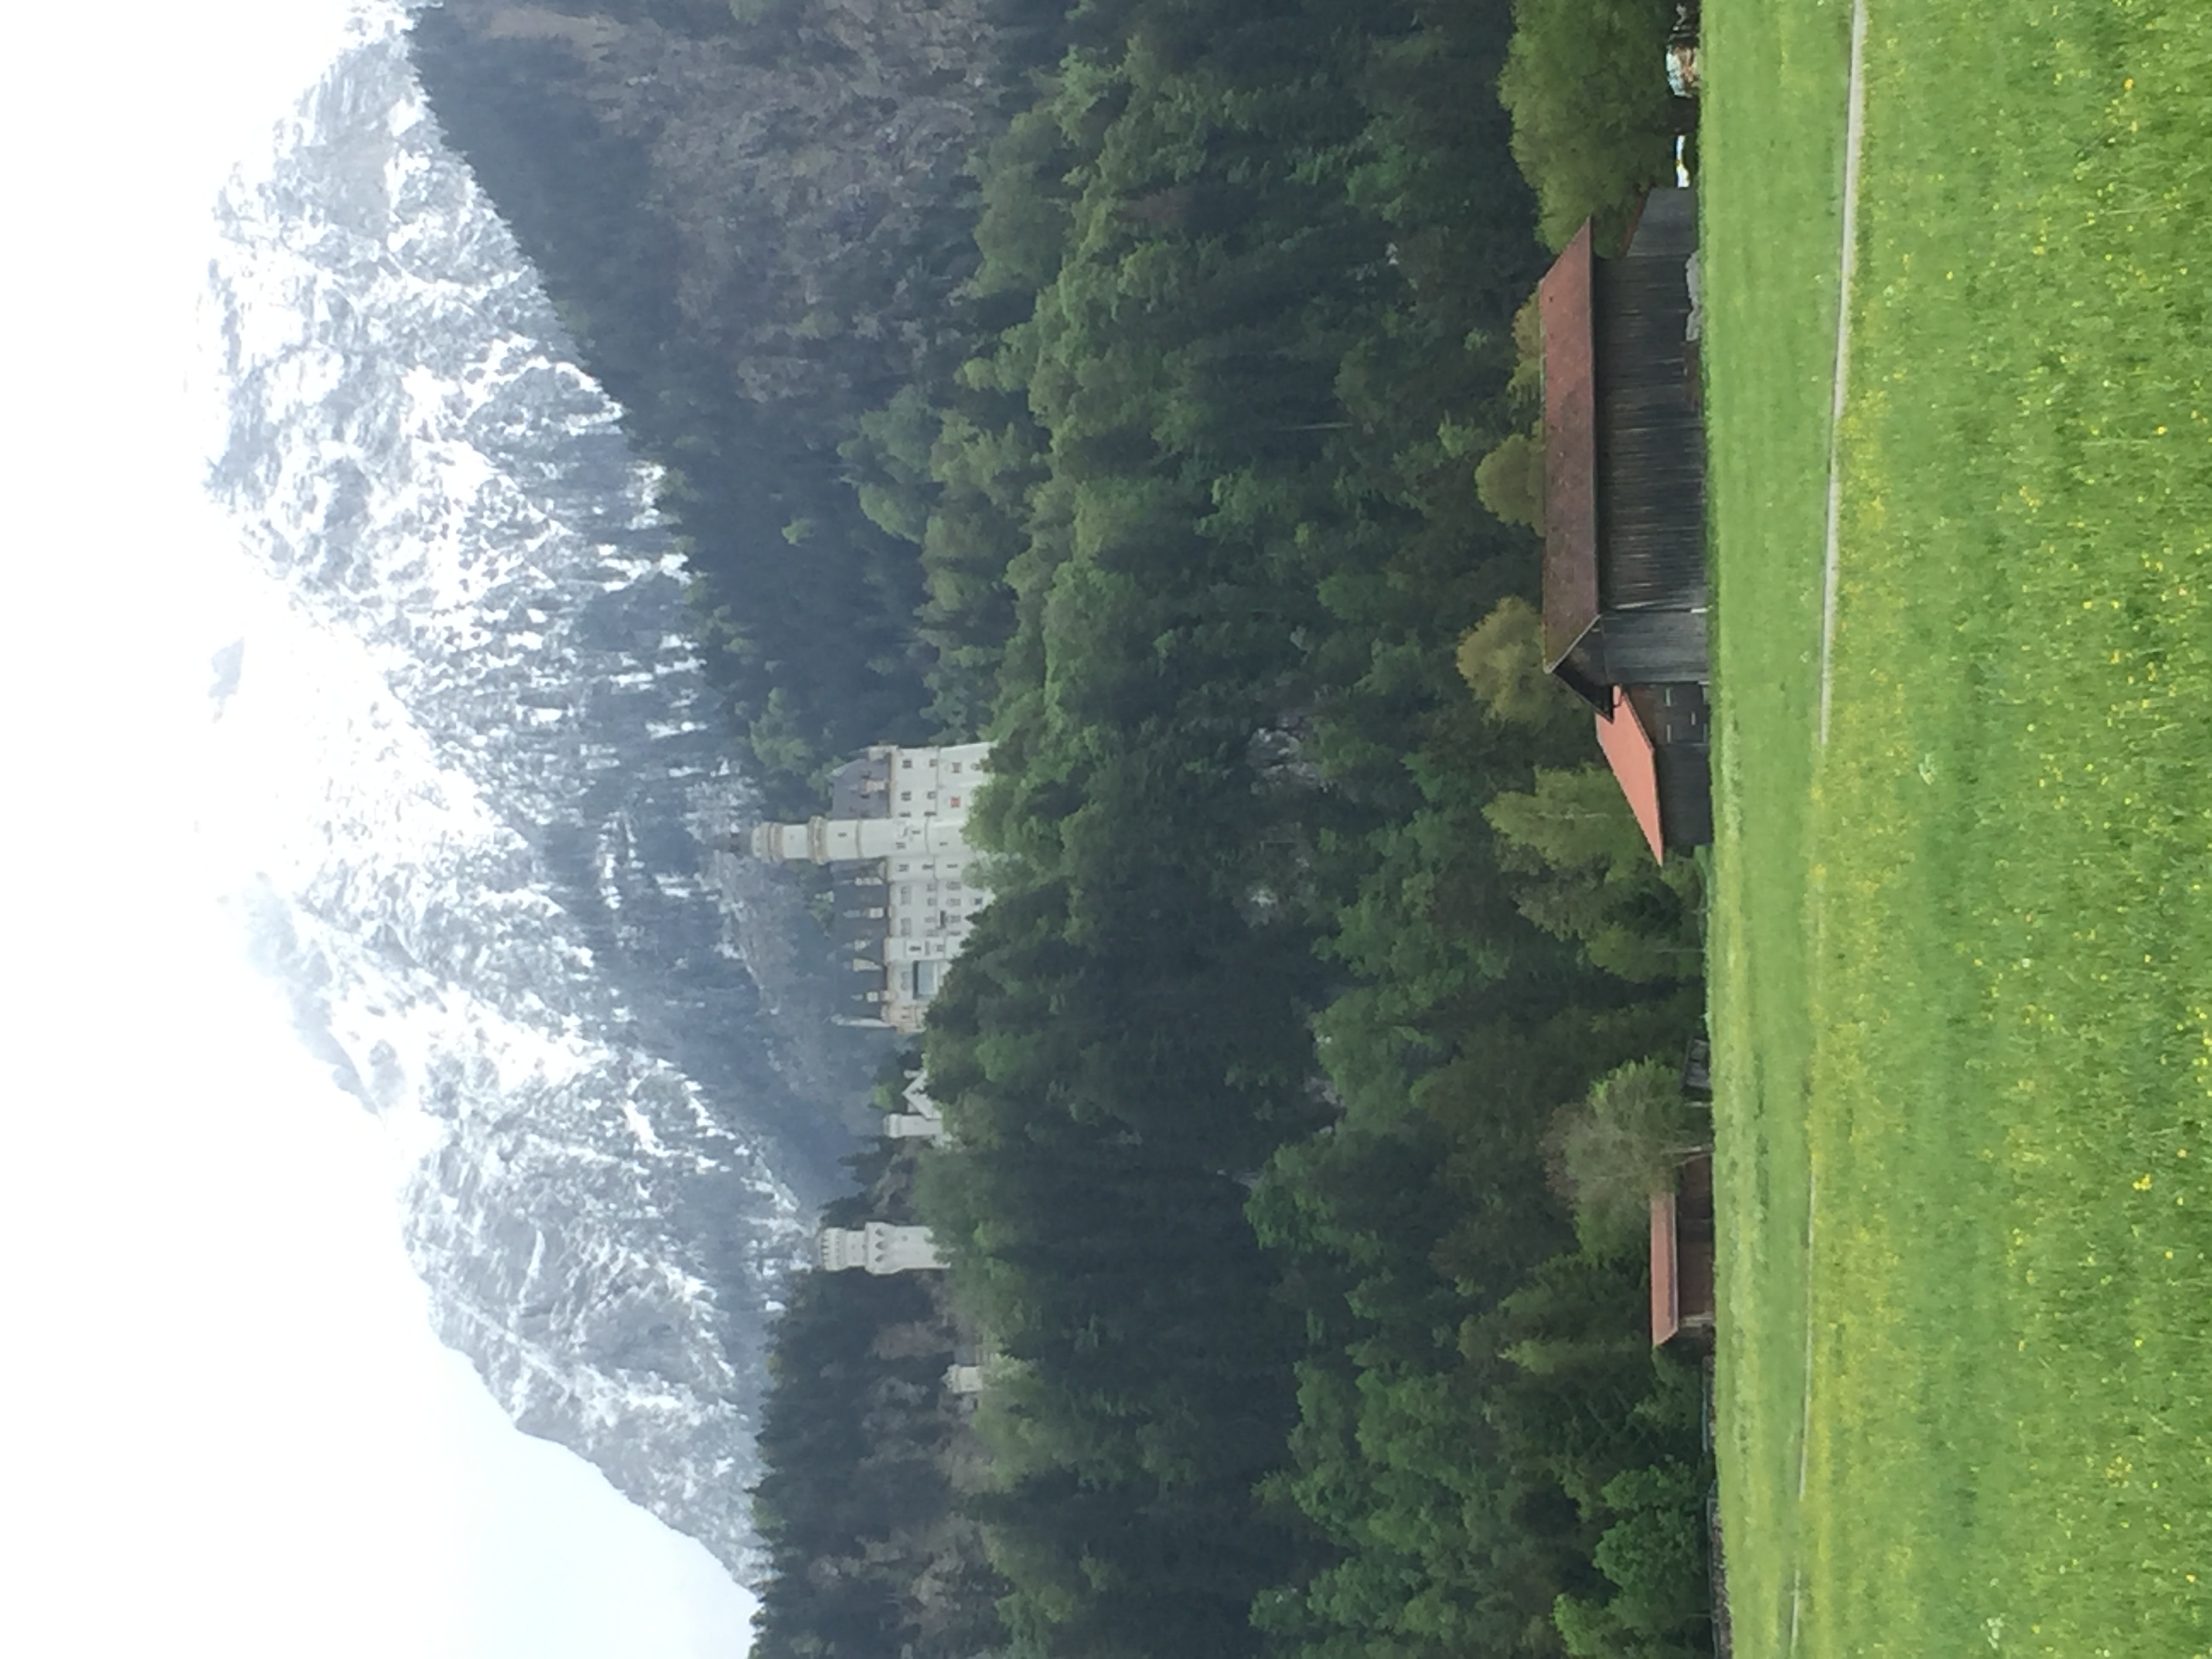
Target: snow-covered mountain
[(497, 895)]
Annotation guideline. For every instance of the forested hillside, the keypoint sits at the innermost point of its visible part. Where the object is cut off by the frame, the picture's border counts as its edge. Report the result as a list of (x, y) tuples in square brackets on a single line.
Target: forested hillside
[(754, 220), (1271, 881), (1311, 911), (868, 1512)]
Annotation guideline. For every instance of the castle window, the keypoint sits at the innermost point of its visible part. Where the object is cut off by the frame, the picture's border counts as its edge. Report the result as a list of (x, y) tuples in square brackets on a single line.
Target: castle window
[(955, 766), (906, 795)]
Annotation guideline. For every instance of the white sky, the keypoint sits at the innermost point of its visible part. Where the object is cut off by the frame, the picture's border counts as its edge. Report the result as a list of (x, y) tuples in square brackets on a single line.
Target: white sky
[(224, 1424)]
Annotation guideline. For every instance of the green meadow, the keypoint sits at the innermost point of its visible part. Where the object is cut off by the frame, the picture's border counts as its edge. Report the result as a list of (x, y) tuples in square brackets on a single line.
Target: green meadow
[(1961, 975)]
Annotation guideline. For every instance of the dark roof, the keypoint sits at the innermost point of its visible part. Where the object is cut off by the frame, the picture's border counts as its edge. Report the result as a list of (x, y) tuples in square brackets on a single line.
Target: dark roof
[(860, 788), (862, 993), (1624, 460), (1570, 594)]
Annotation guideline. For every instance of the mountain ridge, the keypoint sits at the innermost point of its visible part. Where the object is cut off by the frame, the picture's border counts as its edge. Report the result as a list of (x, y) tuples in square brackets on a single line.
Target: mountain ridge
[(497, 895)]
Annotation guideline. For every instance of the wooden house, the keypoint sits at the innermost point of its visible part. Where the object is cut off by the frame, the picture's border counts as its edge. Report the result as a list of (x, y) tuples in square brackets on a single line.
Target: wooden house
[(1682, 1255), (1624, 598)]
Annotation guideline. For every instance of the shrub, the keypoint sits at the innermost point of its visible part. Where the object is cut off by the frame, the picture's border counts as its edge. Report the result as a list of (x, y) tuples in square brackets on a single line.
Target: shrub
[(1594, 123), (1619, 1145), (1510, 481), (1501, 658)]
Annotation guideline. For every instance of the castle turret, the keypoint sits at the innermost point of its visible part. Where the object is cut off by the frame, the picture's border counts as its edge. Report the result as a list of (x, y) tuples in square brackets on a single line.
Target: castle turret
[(880, 1247), (920, 1121), (853, 841)]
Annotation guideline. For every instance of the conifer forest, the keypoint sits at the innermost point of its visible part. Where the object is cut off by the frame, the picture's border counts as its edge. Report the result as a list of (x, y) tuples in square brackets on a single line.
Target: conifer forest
[(1146, 385)]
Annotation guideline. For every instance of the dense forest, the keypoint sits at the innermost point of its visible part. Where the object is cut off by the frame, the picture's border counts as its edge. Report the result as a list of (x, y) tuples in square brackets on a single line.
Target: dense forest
[(869, 1512), (1161, 426)]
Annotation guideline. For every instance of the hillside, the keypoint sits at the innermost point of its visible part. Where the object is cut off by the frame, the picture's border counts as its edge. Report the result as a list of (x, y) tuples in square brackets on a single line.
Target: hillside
[(753, 228), (1296, 944)]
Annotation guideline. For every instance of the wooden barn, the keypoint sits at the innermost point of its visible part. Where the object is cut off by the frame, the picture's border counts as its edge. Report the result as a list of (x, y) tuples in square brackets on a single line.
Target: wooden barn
[(1682, 1255), (1625, 603)]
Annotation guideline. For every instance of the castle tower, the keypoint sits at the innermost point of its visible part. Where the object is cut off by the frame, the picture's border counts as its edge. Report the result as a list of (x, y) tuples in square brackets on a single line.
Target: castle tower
[(880, 1247), (859, 841), (920, 1121)]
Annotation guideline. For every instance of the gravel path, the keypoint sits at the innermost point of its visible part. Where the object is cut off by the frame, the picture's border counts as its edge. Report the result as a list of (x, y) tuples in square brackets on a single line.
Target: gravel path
[(1854, 128)]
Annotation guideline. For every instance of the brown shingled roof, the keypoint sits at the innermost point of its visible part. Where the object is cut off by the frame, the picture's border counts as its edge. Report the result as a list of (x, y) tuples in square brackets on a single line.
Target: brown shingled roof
[(1570, 596), (1666, 1287)]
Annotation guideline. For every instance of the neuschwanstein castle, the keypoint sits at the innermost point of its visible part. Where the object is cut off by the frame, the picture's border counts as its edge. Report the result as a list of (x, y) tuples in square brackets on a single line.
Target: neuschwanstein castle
[(905, 887), (902, 874)]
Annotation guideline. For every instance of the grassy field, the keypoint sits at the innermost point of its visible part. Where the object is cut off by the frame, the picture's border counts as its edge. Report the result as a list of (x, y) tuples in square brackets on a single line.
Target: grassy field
[(1962, 953)]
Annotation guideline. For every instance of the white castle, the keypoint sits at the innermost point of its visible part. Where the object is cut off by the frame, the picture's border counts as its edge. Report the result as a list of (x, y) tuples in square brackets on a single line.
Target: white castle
[(905, 877), (880, 1247)]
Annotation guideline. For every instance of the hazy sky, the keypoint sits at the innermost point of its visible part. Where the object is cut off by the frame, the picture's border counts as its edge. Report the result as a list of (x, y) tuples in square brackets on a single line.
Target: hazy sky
[(224, 1424)]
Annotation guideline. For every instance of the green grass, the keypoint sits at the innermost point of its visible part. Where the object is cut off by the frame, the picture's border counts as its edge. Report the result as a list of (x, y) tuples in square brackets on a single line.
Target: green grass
[(1962, 955)]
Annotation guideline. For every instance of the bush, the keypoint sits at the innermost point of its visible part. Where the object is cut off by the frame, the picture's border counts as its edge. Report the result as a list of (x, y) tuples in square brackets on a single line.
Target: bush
[(1510, 481), (1501, 658), (1594, 123), (1618, 1147)]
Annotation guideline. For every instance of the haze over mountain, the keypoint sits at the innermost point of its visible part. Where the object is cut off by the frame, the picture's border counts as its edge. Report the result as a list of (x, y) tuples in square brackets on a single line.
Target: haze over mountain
[(496, 901)]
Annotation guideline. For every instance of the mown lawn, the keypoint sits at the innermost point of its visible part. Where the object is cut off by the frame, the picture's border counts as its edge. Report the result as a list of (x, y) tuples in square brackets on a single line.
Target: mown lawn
[(1962, 969)]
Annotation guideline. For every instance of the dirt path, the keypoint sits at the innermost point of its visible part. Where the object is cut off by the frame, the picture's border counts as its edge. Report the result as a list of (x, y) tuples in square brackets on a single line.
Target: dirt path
[(1853, 131)]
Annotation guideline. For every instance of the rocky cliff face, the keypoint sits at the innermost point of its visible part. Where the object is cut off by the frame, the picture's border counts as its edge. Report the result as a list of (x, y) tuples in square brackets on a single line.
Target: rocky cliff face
[(501, 906), (782, 168)]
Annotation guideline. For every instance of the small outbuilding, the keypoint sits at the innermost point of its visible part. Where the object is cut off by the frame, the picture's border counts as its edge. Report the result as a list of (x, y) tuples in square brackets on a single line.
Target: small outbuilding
[(1625, 593), (1682, 1255)]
